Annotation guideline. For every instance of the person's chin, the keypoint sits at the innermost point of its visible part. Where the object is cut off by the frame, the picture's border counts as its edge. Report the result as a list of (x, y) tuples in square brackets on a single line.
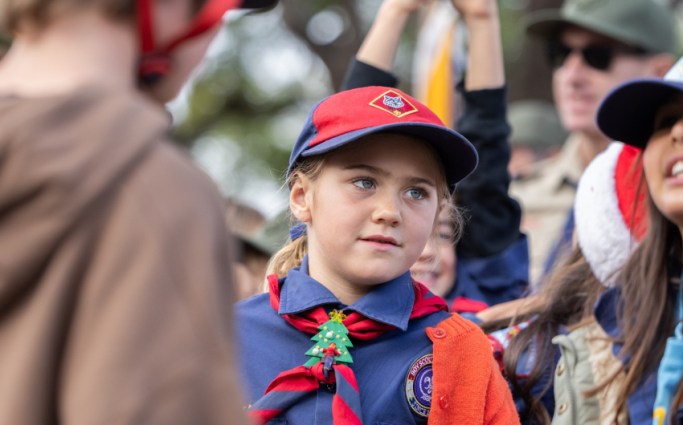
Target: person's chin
[(427, 279), (582, 123), (164, 91)]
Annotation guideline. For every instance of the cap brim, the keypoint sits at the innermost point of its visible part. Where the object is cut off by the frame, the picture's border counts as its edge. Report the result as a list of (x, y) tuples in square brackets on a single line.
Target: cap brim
[(627, 113), (546, 23), (258, 4), (457, 154)]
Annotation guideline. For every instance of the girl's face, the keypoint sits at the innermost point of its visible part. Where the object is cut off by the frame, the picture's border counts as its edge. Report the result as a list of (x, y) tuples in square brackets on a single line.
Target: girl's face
[(435, 267), (369, 213), (663, 161)]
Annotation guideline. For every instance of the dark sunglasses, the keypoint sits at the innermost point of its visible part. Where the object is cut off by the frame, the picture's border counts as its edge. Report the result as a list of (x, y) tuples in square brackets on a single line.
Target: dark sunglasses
[(597, 56)]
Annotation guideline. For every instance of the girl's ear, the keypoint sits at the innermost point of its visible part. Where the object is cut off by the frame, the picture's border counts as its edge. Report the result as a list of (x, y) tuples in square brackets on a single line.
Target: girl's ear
[(300, 198)]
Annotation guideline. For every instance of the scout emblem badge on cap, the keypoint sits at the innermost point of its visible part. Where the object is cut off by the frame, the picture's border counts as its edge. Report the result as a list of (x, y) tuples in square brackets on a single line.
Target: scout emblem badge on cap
[(393, 103)]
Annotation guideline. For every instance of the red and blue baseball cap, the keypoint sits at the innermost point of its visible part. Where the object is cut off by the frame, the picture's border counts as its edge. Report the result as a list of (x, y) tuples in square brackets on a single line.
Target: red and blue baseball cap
[(627, 113), (350, 115)]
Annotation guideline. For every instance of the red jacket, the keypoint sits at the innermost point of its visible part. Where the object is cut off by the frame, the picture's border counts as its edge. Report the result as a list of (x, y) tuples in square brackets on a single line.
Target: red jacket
[(468, 387)]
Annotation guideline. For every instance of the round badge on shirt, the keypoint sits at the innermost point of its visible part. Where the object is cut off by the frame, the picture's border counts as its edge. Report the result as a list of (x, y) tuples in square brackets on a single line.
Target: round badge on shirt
[(419, 386)]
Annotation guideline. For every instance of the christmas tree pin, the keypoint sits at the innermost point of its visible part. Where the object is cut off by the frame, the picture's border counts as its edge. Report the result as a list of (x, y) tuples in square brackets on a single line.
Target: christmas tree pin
[(332, 343)]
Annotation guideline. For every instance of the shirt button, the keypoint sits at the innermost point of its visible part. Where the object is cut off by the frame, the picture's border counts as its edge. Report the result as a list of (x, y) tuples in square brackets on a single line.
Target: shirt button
[(560, 369), (443, 402), (562, 408), (439, 333)]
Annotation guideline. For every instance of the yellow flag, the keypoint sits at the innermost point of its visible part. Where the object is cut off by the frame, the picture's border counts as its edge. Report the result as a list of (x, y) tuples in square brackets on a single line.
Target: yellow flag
[(433, 71)]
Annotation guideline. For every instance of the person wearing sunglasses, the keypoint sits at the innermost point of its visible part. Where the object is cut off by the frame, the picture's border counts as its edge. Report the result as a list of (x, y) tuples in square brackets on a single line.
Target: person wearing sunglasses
[(592, 46), (115, 288)]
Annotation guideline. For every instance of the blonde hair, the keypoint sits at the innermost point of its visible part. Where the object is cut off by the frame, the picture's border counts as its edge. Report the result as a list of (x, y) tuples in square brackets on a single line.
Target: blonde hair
[(292, 253)]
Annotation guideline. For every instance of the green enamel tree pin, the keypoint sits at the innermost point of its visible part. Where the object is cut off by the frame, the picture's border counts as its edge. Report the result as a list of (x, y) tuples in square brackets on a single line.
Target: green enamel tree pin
[(331, 332)]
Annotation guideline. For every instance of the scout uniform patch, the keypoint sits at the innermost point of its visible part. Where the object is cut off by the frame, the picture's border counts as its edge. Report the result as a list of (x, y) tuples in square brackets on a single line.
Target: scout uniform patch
[(419, 385), (393, 103)]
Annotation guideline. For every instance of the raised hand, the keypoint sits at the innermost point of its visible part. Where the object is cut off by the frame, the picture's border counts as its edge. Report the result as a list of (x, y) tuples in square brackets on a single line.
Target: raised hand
[(476, 9)]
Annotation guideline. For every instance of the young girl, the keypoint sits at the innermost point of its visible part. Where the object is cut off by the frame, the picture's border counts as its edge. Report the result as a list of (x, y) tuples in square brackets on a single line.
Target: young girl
[(345, 335), (646, 310), (489, 265)]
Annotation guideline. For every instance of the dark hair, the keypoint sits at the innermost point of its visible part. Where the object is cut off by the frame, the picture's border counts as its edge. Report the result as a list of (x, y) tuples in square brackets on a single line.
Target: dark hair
[(677, 402), (566, 299), (649, 281)]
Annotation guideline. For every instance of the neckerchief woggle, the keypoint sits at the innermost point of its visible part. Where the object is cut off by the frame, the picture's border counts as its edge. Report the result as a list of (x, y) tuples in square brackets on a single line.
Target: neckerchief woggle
[(292, 385), (670, 372)]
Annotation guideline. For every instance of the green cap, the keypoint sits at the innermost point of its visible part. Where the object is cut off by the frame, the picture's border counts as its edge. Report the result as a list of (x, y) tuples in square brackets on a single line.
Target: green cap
[(639, 23), (535, 124)]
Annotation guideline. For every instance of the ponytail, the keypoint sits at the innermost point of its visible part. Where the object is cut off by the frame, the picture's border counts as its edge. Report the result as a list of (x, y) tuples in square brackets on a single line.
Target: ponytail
[(289, 256), (292, 254)]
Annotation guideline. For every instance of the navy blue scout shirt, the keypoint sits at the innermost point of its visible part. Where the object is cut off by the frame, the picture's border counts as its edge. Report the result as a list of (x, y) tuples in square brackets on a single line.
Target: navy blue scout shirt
[(269, 345)]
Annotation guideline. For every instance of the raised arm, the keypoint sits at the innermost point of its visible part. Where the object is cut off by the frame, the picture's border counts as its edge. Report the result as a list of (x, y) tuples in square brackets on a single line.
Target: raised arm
[(495, 217), (485, 52), (375, 58)]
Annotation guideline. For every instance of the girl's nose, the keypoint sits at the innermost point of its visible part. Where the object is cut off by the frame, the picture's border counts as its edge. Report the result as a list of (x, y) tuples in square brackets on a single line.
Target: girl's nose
[(388, 209)]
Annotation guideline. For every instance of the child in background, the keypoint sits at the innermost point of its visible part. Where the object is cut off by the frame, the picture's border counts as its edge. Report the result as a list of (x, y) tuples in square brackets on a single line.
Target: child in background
[(345, 335), (645, 312), (489, 264)]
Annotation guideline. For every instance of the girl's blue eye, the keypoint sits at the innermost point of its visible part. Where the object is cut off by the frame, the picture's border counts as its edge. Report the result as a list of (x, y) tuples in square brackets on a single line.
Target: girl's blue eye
[(416, 193), (363, 183)]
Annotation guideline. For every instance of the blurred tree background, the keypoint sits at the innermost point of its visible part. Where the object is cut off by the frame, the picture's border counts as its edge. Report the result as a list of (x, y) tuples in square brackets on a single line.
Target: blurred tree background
[(245, 107)]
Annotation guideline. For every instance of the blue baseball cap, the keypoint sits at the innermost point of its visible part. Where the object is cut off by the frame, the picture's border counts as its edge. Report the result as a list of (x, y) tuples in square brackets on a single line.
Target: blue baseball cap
[(350, 115), (627, 113)]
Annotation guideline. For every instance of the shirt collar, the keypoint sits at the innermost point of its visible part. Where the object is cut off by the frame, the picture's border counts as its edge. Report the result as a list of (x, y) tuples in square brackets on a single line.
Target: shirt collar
[(390, 302), (567, 168)]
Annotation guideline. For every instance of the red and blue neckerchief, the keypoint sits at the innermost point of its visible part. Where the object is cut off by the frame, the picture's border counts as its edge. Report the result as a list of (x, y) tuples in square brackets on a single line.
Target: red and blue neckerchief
[(292, 385)]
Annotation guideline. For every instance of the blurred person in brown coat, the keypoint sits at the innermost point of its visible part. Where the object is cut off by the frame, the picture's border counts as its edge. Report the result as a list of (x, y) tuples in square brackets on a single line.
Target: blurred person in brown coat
[(115, 292)]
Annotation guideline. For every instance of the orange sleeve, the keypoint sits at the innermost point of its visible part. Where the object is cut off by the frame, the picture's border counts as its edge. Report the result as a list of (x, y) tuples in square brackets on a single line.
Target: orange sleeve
[(468, 388)]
